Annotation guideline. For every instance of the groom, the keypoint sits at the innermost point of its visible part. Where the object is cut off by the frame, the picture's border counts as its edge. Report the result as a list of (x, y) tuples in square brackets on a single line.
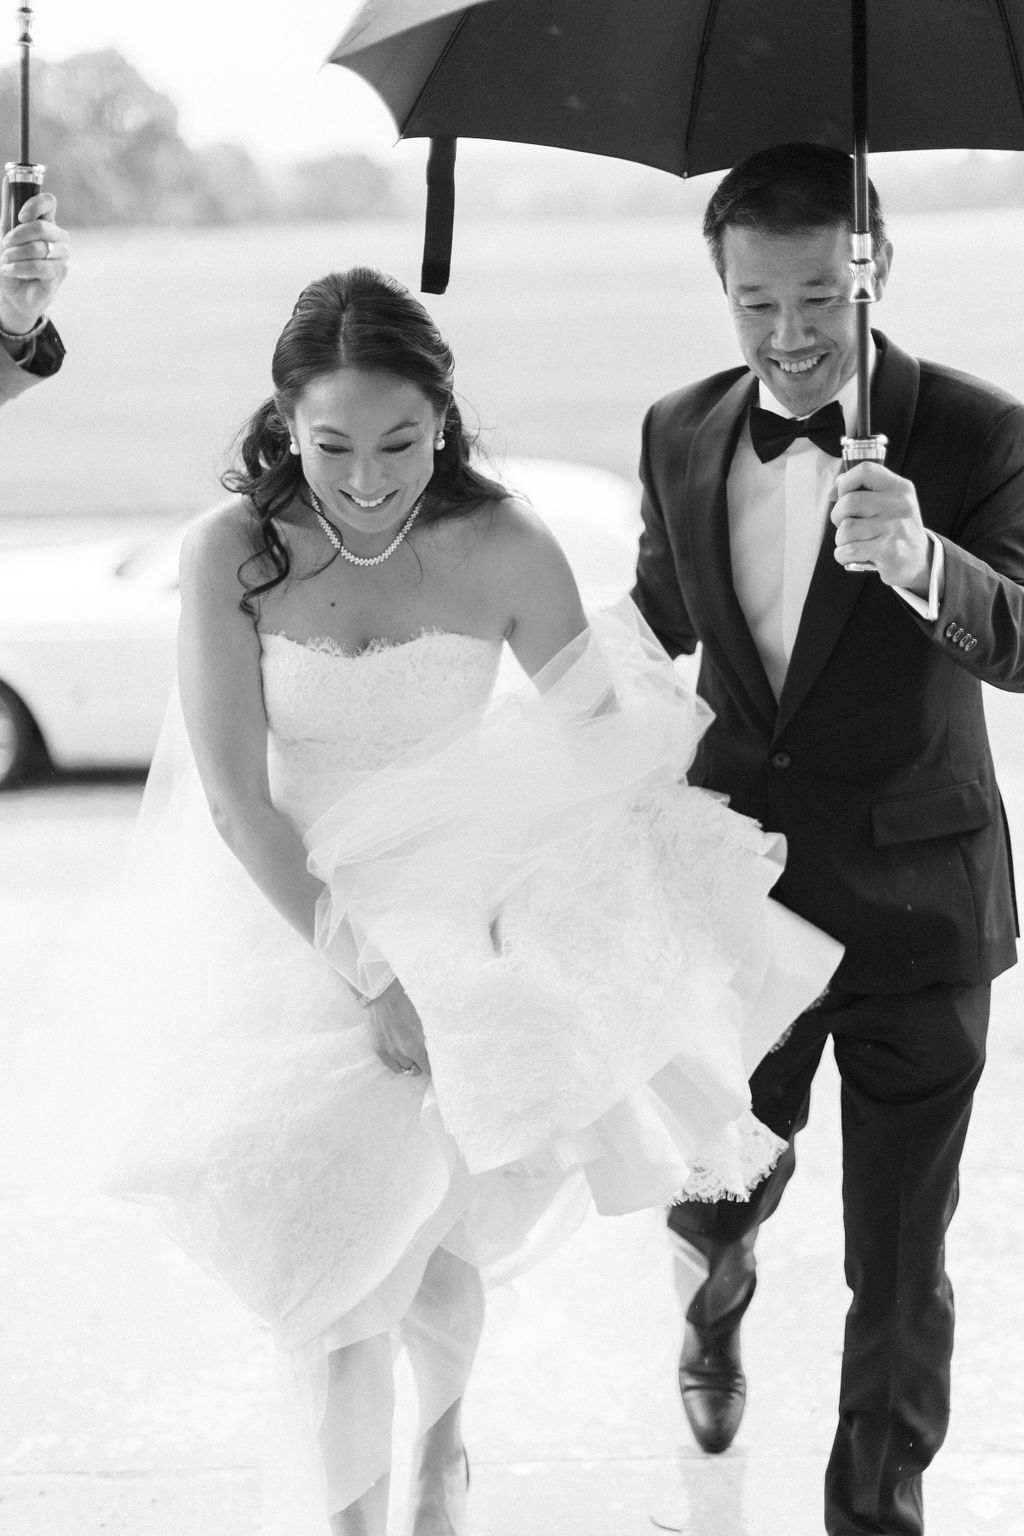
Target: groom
[(848, 715)]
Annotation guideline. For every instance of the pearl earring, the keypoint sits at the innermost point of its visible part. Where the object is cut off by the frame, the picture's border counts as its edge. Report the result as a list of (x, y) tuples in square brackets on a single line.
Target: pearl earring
[(439, 442), (293, 446)]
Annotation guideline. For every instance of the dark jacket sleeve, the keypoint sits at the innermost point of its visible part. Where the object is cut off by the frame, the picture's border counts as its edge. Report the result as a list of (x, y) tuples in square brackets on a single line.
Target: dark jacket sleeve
[(980, 625), (657, 593)]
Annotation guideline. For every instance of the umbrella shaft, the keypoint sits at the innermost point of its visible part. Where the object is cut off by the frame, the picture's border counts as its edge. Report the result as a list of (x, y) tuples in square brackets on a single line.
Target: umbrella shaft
[(863, 270), (863, 378), (25, 44), (23, 154), (859, 92)]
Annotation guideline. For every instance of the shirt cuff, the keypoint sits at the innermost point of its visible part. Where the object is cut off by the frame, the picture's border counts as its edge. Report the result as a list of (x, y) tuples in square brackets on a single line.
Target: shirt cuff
[(929, 608)]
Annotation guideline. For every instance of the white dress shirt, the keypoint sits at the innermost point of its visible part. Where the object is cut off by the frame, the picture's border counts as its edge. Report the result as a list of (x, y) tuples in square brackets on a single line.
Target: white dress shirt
[(778, 516)]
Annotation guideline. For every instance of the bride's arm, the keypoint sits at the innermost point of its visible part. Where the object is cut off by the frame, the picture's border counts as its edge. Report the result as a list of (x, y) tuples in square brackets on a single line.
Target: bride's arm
[(529, 575), (530, 568), (222, 702)]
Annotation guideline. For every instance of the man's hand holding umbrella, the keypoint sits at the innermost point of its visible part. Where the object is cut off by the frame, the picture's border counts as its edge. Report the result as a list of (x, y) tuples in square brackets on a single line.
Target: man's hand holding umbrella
[(33, 264), (878, 525)]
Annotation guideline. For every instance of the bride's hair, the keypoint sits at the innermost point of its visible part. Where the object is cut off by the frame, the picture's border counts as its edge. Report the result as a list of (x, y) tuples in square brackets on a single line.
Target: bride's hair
[(356, 319)]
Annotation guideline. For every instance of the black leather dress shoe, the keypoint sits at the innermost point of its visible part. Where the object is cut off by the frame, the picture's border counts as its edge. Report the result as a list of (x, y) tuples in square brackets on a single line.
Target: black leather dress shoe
[(712, 1386)]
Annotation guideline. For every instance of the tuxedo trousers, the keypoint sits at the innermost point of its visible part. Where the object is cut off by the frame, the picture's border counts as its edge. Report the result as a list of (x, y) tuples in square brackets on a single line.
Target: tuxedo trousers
[(908, 1064)]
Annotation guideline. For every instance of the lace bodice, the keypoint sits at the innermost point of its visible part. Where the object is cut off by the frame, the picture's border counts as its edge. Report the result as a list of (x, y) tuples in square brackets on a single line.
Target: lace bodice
[(333, 714)]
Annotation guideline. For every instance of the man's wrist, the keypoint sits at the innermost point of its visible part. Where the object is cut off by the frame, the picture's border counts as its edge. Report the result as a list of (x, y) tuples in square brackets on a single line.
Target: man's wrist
[(920, 583), (926, 603)]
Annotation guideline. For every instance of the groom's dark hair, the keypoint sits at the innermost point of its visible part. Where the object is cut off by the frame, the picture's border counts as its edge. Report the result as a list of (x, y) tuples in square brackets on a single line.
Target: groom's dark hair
[(786, 189)]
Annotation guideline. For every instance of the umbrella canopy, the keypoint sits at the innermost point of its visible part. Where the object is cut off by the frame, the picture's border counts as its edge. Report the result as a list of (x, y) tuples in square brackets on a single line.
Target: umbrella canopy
[(690, 86)]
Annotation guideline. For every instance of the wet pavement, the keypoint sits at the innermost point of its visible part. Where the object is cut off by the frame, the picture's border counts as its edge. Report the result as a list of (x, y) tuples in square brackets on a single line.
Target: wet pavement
[(133, 1390)]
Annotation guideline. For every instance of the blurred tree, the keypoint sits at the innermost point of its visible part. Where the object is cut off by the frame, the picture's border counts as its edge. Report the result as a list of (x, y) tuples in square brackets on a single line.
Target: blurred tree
[(237, 192), (109, 141), (334, 187), (114, 154)]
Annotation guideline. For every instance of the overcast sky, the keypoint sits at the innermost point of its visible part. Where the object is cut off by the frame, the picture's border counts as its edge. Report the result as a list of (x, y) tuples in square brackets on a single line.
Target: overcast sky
[(241, 70)]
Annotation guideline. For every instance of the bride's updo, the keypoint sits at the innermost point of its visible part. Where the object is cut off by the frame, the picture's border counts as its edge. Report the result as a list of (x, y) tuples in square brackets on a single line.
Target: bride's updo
[(365, 320)]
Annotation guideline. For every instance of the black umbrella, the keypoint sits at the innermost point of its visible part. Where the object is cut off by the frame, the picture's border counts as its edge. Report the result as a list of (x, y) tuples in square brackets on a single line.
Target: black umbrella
[(691, 86), (22, 179)]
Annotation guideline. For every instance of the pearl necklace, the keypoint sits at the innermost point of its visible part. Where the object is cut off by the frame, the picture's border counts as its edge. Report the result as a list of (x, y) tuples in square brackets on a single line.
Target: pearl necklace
[(346, 554)]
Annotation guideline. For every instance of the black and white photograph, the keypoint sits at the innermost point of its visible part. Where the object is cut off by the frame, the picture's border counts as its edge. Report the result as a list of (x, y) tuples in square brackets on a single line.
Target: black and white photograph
[(511, 767)]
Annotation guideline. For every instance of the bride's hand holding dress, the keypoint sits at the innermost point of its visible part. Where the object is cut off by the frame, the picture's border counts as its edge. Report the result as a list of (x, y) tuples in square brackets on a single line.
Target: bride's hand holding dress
[(396, 1031)]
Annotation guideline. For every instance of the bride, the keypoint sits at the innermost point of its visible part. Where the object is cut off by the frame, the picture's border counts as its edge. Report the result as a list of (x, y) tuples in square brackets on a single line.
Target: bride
[(454, 966)]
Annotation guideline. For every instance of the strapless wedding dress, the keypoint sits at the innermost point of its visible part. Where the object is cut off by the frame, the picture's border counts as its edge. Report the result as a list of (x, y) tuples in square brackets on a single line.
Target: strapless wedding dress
[(589, 942)]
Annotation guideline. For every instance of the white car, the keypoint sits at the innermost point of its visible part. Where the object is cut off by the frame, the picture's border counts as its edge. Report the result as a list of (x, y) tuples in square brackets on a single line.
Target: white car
[(87, 631)]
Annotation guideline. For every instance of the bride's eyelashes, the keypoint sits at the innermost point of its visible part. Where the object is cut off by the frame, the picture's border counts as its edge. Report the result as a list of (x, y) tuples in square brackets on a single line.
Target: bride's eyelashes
[(334, 449)]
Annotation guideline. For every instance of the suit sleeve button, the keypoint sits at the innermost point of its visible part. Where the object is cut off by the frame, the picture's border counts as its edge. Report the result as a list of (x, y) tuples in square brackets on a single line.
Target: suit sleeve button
[(950, 630), (781, 759)]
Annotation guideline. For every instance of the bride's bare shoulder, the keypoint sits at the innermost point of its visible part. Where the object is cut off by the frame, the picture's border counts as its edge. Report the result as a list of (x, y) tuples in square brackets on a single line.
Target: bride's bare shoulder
[(499, 524), (516, 539), (218, 543), (225, 530)]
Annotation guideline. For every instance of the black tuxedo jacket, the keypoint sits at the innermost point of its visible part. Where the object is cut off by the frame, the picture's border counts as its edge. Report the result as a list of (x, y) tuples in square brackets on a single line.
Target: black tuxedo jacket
[(875, 761)]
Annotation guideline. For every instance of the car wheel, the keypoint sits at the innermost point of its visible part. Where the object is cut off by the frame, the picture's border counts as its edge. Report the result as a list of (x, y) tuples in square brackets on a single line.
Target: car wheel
[(19, 739)]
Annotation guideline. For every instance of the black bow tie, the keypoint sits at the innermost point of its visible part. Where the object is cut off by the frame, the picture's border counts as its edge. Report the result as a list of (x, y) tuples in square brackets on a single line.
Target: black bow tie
[(772, 434)]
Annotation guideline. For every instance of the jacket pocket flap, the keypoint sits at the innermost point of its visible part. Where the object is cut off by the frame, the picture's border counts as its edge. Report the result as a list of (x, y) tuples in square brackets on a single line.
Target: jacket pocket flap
[(930, 813)]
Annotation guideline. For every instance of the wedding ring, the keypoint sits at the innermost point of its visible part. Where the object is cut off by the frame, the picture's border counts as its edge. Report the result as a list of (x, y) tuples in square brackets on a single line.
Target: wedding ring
[(410, 1069), (49, 251)]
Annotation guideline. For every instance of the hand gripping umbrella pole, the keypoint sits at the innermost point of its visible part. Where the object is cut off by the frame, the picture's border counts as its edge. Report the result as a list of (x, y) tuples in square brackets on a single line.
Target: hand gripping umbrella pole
[(22, 179), (864, 445)]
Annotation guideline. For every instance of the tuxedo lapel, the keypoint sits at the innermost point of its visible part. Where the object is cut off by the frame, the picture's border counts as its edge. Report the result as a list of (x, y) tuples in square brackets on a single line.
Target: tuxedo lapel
[(706, 512), (831, 598), (834, 593), (894, 398)]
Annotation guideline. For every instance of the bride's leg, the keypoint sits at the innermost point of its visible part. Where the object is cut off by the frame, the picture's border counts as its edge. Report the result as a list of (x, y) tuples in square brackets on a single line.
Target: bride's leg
[(441, 1333), (355, 1436), (440, 1483), (368, 1516)]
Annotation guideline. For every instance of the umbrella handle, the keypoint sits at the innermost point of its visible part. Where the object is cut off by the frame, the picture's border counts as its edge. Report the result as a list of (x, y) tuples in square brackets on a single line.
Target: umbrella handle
[(20, 183), (860, 450)]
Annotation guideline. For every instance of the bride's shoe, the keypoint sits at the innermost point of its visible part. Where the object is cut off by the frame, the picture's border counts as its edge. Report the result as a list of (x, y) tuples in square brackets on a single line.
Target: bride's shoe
[(437, 1505)]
